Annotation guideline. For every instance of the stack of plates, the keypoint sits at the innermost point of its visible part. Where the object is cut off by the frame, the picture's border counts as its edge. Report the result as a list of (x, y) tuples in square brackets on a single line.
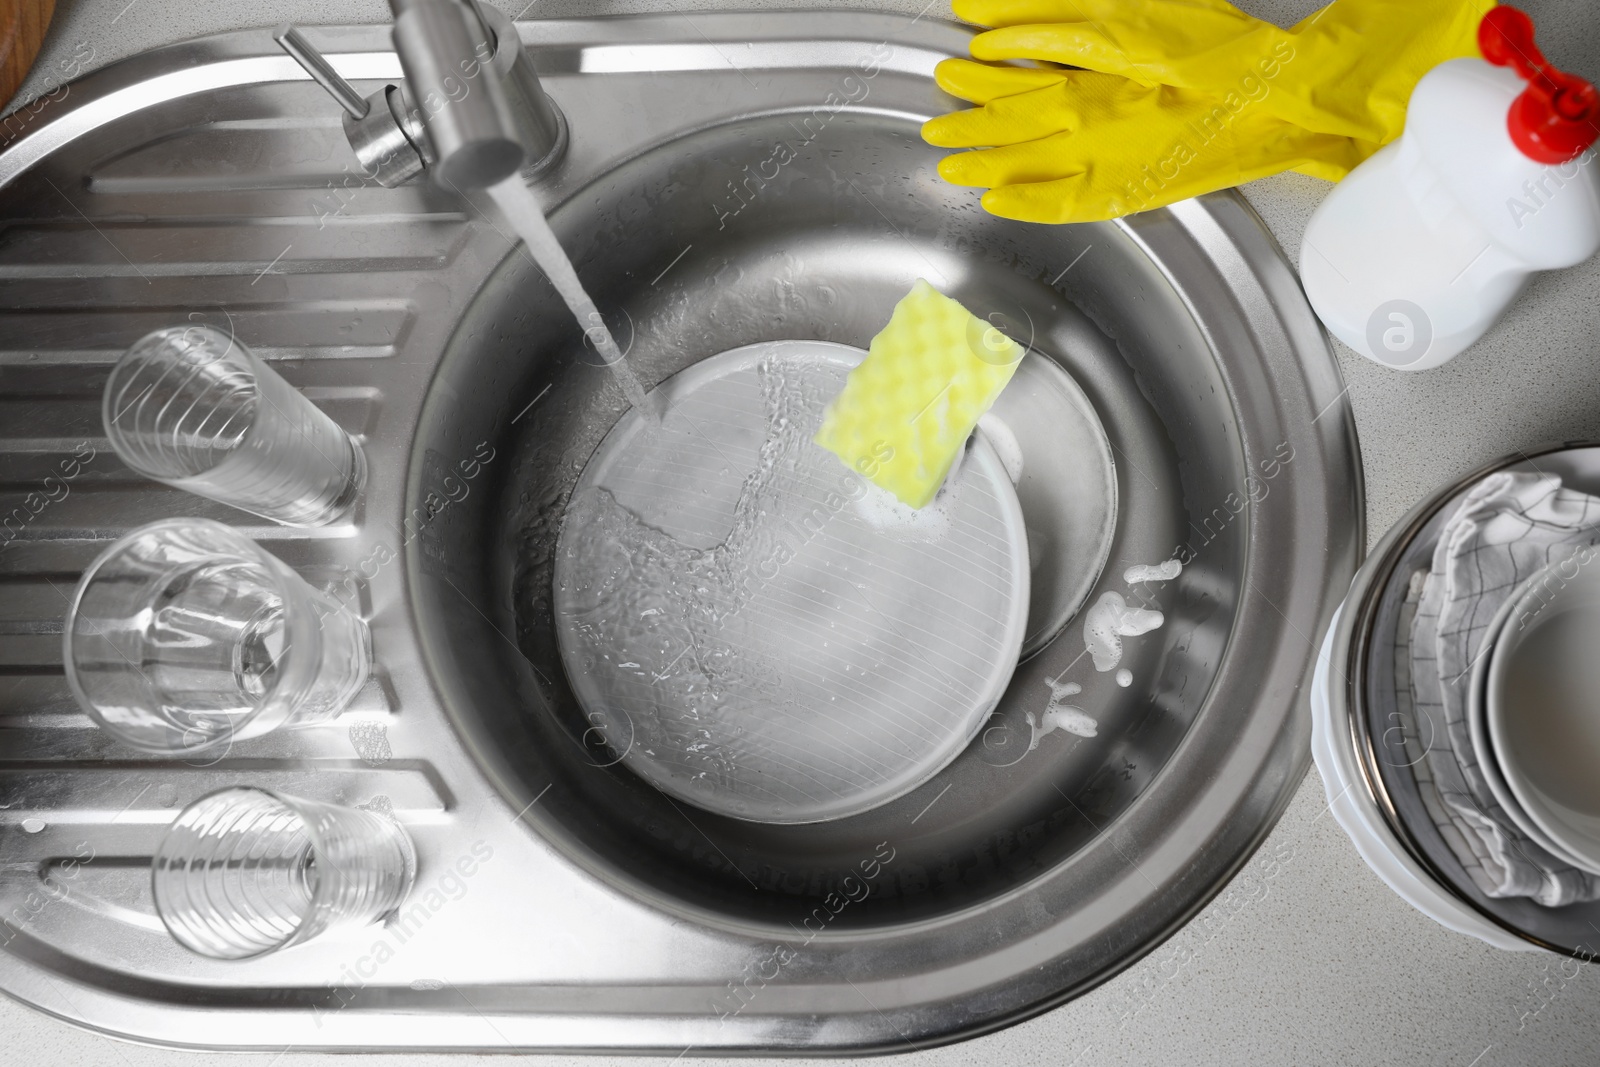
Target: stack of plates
[(1355, 807), (1366, 741)]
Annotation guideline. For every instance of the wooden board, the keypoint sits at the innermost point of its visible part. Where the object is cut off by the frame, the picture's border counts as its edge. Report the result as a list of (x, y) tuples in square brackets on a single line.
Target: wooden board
[(22, 26)]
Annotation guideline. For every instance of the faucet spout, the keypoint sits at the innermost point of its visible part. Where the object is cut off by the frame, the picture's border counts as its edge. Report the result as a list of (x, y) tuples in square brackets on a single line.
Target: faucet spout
[(475, 92), (471, 111)]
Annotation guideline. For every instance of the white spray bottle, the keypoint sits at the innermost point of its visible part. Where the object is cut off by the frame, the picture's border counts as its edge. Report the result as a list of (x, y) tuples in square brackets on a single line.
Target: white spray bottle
[(1421, 248)]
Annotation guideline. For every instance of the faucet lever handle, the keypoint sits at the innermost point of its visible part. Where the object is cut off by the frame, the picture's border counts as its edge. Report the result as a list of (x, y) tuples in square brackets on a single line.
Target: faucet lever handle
[(388, 144), (300, 50)]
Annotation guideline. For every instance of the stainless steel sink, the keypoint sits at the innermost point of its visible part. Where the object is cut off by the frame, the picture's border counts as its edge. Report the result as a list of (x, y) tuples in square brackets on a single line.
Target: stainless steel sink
[(731, 178)]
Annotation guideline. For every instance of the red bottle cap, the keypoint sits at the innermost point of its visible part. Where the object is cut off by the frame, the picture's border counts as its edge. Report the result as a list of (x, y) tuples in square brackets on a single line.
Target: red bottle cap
[(1557, 116)]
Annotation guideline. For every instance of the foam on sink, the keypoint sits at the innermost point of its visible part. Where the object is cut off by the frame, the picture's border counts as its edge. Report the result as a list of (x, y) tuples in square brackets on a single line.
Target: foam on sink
[(1108, 622)]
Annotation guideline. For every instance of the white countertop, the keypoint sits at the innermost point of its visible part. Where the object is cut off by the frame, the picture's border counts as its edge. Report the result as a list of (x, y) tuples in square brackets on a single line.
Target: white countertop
[(1306, 957)]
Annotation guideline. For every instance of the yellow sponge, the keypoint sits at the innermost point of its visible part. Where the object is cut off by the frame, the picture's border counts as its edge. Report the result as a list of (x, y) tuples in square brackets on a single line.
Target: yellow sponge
[(905, 413)]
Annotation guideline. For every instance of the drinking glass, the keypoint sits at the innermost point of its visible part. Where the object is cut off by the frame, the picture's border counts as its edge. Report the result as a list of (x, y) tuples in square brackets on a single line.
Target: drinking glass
[(186, 634), (245, 871), (192, 407)]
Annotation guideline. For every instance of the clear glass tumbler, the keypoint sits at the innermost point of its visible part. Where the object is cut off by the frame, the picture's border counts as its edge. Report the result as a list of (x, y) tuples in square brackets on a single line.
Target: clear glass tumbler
[(186, 634), (192, 407), (244, 871)]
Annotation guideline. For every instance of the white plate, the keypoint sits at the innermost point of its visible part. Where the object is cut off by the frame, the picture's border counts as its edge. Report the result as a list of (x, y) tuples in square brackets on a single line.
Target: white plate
[(1543, 705), (759, 631), (1483, 744)]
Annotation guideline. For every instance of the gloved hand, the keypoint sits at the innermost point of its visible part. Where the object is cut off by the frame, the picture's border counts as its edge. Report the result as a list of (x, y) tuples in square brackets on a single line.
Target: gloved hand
[(1080, 146), (1348, 69)]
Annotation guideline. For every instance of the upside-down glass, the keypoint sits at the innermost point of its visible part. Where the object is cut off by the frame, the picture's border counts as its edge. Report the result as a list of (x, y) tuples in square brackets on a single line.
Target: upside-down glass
[(192, 407), (186, 634), (244, 871)]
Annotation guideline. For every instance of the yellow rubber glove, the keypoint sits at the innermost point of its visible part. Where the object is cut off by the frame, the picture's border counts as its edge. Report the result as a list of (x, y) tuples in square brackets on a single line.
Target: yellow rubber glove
[(1348, 69), (1080, 146)]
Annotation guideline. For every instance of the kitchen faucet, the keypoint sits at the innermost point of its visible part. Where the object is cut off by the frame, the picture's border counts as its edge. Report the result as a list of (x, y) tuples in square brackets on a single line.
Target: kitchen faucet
[(471, 110)]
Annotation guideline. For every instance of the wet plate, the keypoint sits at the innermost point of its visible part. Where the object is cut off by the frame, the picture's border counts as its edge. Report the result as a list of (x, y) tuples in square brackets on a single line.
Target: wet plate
[(759, 630)]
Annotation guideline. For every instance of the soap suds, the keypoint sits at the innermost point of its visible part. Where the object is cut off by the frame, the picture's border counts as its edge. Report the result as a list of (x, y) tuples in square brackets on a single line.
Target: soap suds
[(1059, 716), (1124, 677), (1152, 572), (884, 511), (371, 742), (1004, 443), (1060, 690), (1108, 622)]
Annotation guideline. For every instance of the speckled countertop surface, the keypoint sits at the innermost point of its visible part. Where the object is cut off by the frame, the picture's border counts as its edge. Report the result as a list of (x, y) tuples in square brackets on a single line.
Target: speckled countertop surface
[(1306, 958)]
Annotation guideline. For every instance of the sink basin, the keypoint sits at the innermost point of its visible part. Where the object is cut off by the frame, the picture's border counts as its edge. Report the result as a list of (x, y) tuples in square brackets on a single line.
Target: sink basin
[(732, 179)]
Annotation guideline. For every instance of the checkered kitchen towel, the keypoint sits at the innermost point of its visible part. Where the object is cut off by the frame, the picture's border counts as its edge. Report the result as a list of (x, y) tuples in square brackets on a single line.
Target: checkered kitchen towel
[(1507, 527)]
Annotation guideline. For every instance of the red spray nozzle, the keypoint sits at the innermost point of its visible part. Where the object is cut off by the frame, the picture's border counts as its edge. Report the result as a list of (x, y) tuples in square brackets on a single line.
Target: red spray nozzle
[(1557, 117)]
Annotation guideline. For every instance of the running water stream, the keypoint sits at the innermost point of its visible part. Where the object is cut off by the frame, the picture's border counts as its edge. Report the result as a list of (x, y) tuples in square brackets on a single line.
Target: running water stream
[(521, 208)]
